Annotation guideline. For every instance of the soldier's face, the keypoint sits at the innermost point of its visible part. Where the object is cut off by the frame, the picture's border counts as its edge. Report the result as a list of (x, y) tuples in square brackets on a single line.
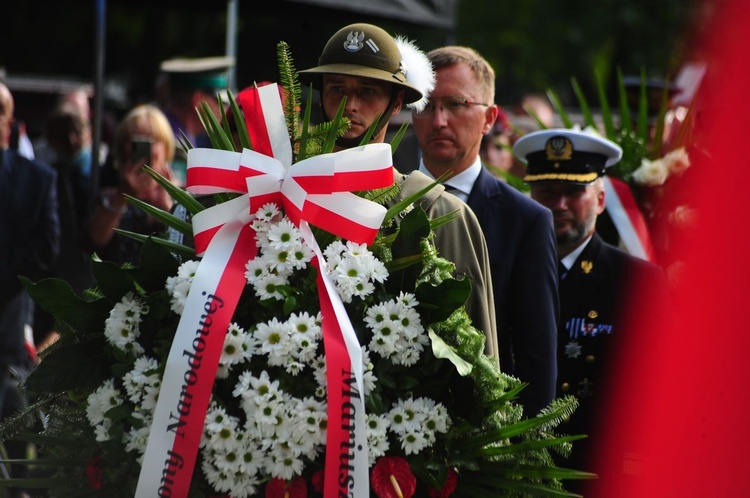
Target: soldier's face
[(366, 99), (574, 209)]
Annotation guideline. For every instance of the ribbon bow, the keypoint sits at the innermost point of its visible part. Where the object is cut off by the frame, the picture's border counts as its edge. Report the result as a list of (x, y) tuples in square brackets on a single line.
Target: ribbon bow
[(317, 190)]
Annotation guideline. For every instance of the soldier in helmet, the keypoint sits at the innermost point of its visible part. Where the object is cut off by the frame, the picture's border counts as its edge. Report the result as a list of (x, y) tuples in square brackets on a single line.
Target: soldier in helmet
[(379, 75)]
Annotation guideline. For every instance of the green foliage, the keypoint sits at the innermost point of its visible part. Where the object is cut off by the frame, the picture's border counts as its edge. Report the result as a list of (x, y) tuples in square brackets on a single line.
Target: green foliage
[(635, 139)]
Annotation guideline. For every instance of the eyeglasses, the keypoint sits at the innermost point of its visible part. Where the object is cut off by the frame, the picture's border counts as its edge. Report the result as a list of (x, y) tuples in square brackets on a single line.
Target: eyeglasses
[(452, 105)]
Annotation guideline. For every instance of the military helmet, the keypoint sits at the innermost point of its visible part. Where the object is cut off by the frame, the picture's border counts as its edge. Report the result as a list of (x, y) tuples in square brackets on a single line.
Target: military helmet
[(366, 51)]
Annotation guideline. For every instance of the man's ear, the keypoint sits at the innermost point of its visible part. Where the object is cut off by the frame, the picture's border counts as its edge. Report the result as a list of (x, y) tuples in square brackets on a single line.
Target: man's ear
[(601, 198), (490, 116), (399, 103)]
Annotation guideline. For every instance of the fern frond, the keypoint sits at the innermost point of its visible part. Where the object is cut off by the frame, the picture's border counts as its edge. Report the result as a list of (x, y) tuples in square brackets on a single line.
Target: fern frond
[(293, 91)]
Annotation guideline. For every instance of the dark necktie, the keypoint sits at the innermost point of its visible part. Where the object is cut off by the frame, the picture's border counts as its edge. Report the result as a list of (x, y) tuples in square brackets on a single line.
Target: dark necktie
[(561, 271)]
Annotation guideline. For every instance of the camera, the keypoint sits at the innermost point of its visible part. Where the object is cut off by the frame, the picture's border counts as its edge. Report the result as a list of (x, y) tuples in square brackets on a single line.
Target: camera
[(140, 149)]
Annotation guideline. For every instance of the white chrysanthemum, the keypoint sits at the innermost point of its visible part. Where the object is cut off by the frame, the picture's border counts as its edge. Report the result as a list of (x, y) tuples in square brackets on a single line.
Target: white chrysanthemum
[(268, 212), (102, 400), (239, 346), (333, 253), (256, 269), (267, 287), (300, 255), (121, 329), (221, 481), (412, 442), (144, 372), (319, 374), (369, 380), (283, 235), (136, 439), (407, 299), (285, 464), (179, 285), (273, 340), (377, 437)]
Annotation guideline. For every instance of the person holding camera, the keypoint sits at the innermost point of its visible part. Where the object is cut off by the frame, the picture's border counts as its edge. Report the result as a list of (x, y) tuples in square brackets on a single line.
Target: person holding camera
[(143, 137)]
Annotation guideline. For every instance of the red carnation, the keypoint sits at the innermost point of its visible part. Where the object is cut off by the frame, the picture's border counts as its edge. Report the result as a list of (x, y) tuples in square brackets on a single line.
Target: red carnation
[(392, 478), (94, 473), (449, 486), (279, 488)]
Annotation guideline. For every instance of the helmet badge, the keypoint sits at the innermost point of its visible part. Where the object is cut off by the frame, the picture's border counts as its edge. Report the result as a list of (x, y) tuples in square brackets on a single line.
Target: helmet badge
[(353, 41)]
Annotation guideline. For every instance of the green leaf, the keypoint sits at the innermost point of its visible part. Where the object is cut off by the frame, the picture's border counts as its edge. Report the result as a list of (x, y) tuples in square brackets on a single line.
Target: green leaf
[(155, 265), (625, 124), (239, 122), (81, 365), (396, 140), (333, 133), (113, 280), (302, 154), (585, 109), (172, 246), (607, 118), (57, 298), (438, 302), (442, 350), (165, 217), (642, 122), (557, 104), (413, 228), (180, 196)]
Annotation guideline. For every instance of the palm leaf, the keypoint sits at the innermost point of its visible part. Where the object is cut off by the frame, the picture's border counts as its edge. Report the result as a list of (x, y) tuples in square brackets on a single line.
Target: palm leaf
[(180, 196), (165, 217), (239, 122), (585, 109), (172, 246), (625, 124), (396, 140), (641, 129), (557, 104), (607, 118)]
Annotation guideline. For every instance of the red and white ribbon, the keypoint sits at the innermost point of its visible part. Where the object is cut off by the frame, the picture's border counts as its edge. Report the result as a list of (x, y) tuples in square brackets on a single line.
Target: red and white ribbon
[(628, 219), (317, 191)]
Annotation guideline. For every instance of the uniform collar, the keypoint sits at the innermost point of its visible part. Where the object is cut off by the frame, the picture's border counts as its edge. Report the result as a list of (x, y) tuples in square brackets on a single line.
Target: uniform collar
[(569, 260)]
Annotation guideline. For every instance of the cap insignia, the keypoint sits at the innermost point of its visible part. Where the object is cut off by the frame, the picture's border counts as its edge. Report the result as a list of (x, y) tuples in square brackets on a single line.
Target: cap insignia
[(559, 148), (354, 40), (587, 266)]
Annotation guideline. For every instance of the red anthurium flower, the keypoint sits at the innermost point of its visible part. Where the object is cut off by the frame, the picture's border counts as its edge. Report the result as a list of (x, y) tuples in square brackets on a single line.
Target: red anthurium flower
[(392, 478), (449, 486), (317, 481), (279, 488), (94, 473)]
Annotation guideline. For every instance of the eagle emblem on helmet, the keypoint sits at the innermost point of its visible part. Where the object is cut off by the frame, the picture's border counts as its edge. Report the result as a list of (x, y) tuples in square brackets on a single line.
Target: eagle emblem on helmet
[(354, 40)]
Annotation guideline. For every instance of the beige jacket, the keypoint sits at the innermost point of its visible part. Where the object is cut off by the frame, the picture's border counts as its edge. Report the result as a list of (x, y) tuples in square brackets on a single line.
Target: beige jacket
[(462, 242)]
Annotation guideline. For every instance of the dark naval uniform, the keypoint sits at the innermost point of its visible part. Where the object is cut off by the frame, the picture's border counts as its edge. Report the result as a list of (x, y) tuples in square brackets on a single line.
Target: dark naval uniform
[(601, 294), (597, 295)]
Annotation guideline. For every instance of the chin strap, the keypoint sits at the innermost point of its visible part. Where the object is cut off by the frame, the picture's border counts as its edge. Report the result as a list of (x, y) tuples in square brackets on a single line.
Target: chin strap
[(348, 143)]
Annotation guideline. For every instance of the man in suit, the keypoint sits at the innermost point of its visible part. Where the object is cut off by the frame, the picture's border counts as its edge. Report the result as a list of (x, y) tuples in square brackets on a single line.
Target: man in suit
[(518, 231), (29, 245), (564, 169), (367, 66)]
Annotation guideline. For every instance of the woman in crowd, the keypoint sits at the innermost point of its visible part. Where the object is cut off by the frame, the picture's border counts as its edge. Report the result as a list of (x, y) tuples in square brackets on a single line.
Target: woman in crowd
[(143, 137)]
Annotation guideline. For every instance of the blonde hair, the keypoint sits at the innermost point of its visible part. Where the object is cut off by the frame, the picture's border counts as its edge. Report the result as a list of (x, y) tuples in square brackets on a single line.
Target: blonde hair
[(455, 54), (144, 116)]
